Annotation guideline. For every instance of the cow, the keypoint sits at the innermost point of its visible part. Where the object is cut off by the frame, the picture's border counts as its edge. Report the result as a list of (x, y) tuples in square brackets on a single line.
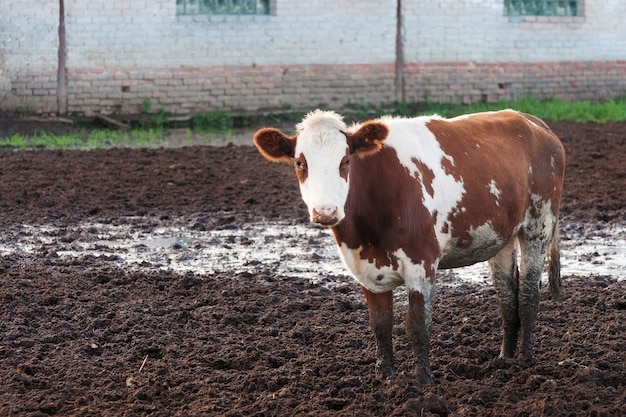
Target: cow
[(405, 197)]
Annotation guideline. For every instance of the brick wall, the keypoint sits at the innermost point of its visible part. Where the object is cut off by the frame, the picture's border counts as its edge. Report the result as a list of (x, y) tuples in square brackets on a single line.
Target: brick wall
[(469, 82), (249, 88), (305, 54)]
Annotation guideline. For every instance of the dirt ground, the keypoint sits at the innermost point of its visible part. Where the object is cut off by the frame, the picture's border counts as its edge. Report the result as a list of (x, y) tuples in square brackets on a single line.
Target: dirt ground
[(84, 338)]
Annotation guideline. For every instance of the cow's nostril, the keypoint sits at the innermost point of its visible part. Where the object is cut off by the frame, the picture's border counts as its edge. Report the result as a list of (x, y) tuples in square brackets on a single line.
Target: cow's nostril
[(327, 211)]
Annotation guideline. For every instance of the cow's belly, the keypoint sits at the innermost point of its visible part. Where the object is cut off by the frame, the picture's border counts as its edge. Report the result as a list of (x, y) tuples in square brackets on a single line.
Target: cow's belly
[(459, 257), (485, 244)]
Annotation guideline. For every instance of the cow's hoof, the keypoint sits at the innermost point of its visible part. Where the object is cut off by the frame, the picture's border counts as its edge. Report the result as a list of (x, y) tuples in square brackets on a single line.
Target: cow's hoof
[(386, 372), (502, 362), (424, 376), (526, 360)]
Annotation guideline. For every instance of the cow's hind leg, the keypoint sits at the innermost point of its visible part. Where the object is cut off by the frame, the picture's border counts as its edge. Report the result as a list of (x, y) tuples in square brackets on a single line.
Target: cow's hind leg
[(380, 306), (534, 242), (504, 274)]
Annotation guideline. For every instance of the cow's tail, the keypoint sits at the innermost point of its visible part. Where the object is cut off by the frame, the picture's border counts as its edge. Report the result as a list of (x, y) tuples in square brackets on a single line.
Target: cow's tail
[(554, 264)]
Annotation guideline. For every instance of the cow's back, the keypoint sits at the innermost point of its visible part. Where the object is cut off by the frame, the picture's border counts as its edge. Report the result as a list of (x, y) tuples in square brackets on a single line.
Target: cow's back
[(518, 152)]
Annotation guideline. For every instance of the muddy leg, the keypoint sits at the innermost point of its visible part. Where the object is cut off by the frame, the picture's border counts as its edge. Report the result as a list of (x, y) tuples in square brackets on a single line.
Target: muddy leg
[(528, 299), (418, 325), (534, 247), (505, 278), (380, 307)]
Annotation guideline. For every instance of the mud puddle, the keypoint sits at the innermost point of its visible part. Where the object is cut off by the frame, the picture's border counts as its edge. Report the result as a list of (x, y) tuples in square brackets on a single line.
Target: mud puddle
[(303, 251)]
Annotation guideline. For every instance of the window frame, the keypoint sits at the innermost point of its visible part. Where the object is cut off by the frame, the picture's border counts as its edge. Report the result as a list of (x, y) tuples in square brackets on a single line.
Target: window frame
[(509, 11), (202, 9)]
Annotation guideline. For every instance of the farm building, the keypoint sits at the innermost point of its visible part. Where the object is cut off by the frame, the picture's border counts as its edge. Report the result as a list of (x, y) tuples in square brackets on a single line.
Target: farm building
[(193, 56)]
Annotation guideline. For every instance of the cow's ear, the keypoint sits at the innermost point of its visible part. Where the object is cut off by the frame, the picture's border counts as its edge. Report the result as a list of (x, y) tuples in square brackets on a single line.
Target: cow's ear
[(275, 145), (368, 139)]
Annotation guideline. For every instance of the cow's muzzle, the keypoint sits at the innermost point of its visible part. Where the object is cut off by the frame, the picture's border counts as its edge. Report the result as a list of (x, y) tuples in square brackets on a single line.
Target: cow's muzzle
[(325, 216)]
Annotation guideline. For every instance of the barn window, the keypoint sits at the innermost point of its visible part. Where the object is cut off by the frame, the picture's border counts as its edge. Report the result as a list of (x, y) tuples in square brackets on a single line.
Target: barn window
[(541, 7), (187, 7)]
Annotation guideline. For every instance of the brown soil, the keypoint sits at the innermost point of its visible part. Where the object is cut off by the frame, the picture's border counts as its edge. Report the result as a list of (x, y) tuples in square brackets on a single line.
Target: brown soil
[(84, 338)]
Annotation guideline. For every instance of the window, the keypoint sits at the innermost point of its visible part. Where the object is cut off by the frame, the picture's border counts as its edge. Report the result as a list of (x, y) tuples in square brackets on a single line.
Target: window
[(222, 7), (541, 7)]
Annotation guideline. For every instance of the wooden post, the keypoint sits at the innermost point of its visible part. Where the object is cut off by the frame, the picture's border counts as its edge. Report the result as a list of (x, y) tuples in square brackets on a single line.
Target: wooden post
[(400, 94), (61, 76)]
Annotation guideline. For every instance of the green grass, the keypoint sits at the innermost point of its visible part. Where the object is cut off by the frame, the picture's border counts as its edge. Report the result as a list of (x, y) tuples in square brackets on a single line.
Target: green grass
[(554, 109), (212, 121), (221, 123), (100, 138)]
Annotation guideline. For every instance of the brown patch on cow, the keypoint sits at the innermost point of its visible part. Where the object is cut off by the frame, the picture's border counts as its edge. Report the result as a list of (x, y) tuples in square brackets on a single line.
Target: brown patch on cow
[(384, 212), (449, 169), (552, 165)]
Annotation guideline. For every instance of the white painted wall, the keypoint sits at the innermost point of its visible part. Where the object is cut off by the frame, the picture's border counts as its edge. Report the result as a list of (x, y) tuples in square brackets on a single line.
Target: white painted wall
[(450, 31), (110, 38)]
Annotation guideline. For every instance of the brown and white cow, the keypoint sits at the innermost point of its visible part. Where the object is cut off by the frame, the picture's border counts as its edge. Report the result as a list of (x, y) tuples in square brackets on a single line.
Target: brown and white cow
[(407, 196)]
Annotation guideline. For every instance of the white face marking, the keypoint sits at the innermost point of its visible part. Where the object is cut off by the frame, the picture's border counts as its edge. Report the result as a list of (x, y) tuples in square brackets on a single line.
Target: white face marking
[(323, 145)]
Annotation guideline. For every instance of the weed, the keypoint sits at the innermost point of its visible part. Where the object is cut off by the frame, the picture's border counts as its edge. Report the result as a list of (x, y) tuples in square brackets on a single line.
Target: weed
[(213, 121), (16, 141), (160, 119), (25, 111), (146, 106)]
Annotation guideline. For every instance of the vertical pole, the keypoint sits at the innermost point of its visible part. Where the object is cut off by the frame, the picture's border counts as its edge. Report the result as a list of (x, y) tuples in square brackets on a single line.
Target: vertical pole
[(61, 76), (400, 96)]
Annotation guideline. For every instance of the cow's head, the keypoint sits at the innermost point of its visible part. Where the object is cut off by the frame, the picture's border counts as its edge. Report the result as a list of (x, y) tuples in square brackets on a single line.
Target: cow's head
[(321, 151)]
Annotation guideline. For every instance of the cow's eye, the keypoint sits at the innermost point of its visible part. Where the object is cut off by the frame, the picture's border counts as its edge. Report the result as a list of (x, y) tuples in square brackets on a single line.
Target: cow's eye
[(344, 167), (299, 164)]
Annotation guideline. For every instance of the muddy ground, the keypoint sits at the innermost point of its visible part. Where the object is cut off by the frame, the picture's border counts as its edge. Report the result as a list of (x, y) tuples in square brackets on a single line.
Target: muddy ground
[(86, 338)]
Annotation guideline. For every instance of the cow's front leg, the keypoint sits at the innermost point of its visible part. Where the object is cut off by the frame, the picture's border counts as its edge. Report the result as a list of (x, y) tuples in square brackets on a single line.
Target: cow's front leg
[(418, 324), (380, 307)]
